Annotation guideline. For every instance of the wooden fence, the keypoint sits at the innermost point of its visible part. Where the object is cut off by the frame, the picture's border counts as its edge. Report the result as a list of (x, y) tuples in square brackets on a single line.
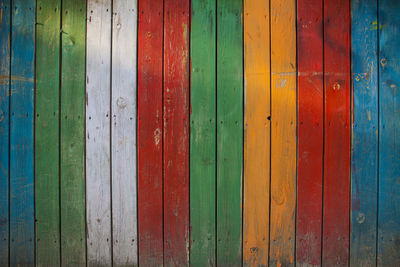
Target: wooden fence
[(199, 132)]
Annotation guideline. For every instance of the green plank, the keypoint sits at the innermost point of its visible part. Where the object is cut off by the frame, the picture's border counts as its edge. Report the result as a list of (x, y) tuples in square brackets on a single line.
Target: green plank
[(47, 133), (72, 133), (203, 133), (229, 132)]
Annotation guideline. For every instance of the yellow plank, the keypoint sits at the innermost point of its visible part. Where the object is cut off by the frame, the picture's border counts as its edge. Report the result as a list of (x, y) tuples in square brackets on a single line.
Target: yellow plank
[(283, 132), (256, 133)]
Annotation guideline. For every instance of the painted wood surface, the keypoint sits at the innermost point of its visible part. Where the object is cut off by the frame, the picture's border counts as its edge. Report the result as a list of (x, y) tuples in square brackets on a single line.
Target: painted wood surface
[(310, 132), (335, 251), (229, 132), (21, 133), (176, 132), (283, 132), (203, 134), (98, 145), (257, 130), (72, 133), (389, 140), (150, 132), (123, 133), (364, 165), (5, 54), (47, 122)]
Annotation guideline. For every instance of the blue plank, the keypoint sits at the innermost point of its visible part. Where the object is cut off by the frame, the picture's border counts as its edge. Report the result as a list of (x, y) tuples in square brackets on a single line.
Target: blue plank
[(389, 134), (5, 12), (364, 178), (21, 133)]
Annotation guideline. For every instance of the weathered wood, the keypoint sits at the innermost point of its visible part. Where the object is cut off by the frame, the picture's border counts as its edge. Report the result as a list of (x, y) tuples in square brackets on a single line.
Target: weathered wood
[(335, 250), (310, 132), (123, 133), (364, 179), (47, 122), (176, 132), (257, 127), (389, 138), (229, 132), (203, 133), (5, 53), (98, 150), (283, 132), (73, 238), (150, 135), (21, 133)]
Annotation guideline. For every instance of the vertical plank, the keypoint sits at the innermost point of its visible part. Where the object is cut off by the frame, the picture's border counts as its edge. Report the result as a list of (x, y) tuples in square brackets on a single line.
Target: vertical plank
[(337, 133), (21, 133), (229, 132), (389, 139), (98, 82), (47, 133), (72, 133), (364, 165), (176, 132), (256, 132), (150, 150), (5, 53), (203, 133), (283, 132), (123, 133), (310, 132)]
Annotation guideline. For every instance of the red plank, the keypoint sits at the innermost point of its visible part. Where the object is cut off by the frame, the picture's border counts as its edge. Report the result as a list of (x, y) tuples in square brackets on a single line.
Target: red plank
[(176, 132), (335, 250), (150, 84), (310, 131)]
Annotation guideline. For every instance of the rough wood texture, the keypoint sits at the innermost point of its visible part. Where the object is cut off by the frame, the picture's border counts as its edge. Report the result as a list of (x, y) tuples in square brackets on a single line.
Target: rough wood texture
[(47, 149), (5, 53), (73, 239), (98, 81), (203, 134), (176, 132), (123, 133), (364, 179), (229, 132), (389, 138), (310, 132), (150, 136), (335, 250), (257, 127), (21, 133), (283, 132)]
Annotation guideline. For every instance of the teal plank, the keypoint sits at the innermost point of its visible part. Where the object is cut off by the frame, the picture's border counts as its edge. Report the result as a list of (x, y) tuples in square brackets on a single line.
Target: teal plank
[(21, 133)]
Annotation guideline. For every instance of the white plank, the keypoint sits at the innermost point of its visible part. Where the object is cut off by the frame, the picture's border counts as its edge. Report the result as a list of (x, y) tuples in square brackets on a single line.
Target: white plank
[(98, 191), (124, 206)]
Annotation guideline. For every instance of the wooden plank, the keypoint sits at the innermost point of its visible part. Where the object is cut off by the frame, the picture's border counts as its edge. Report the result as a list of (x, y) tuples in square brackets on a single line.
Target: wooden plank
[(364, 165), (203, 133), (229, 132), (5, 53), (98, 89), (47, 124), (310, 132), (389, 139), (150, 137), (335, 250), (176, 132), (73, 134), (283, 132), (257, 129), (123, 133), (21, 133)]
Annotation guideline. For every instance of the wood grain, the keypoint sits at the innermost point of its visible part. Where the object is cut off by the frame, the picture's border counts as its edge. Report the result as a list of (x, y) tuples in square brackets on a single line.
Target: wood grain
[(257, 129), (283, 132)]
